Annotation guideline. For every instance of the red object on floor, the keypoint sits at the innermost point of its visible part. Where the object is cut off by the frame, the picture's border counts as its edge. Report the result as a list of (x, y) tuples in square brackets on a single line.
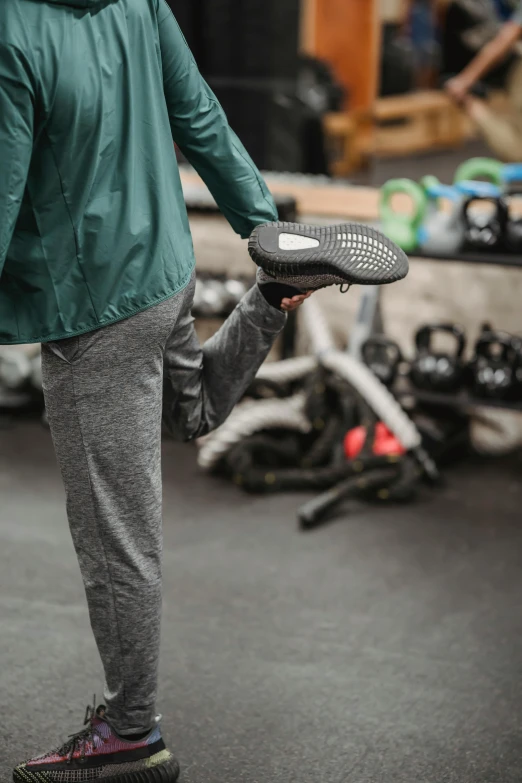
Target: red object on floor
[(385, 443)]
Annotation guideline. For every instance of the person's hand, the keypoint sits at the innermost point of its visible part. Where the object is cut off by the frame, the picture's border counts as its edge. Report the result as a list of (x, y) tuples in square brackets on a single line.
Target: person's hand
[(458, 88), (288, 305)]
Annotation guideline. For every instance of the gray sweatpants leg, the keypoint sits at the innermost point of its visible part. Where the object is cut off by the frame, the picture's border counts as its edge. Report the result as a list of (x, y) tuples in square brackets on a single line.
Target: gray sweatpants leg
[(104, 397)]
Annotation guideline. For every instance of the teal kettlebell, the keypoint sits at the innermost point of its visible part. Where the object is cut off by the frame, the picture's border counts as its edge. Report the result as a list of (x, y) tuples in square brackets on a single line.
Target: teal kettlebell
[(402, 227), (480, 168)]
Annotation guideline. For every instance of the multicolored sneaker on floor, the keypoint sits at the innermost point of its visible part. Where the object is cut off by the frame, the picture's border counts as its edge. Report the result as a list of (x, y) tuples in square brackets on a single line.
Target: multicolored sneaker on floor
[(310, 257), (98, 753)]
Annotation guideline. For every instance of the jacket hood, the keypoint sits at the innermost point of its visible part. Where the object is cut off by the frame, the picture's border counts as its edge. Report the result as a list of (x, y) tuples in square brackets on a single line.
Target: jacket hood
[(76, 3)]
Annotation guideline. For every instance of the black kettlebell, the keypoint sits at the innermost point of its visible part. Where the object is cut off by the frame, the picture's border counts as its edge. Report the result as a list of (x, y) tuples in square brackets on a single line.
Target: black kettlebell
[(488, 231), (383, 357), (514, 224), (440, 372), (494, 366)]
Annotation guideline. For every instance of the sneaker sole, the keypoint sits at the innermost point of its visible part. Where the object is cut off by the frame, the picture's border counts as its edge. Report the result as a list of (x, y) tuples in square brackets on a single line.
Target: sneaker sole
[(356, 253), (163, 773)]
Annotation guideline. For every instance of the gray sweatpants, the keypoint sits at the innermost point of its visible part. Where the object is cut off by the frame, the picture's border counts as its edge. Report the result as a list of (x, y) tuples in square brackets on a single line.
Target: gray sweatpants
[(106, 394)]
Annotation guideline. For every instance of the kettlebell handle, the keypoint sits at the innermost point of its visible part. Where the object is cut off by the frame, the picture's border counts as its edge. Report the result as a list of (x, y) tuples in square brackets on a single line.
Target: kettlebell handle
[(501, 210), (424, 335), (480, 167), (512, 172), (506, 341), (380, 341), (409, 188), (478, 189), (438, 191)]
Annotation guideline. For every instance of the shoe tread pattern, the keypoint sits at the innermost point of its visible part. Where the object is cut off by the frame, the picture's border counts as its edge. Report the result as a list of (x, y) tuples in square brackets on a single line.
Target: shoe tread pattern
[(163, 773), (357, 253)]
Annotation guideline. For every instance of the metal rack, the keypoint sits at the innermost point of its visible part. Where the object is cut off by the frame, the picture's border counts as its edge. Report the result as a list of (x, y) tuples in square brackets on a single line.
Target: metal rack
[(472, 257), (461, 400)]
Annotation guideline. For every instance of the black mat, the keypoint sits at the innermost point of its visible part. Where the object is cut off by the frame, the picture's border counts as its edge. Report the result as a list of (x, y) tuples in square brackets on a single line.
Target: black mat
[(385, 647)]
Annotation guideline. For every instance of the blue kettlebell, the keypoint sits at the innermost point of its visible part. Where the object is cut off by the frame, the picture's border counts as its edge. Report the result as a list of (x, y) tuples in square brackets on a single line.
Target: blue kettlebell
[(442, 232)]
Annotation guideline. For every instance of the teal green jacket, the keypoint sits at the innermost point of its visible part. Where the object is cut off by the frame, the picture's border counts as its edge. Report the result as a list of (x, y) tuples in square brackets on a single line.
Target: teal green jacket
[(93, 225)]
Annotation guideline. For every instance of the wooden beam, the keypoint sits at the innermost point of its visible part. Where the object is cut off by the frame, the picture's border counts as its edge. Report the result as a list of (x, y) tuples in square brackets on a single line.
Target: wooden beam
[(308, 9), (346, 33)]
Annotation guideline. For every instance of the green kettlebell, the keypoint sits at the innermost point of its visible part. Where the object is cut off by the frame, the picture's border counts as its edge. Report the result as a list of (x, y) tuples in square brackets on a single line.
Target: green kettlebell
[(402, 227), (480, 168), (429, 182)]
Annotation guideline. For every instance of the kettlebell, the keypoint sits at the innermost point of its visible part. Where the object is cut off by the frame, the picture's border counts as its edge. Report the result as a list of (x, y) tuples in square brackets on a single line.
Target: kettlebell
[(513, 234), (512, 177), (402, 227), (383, 356), (483, 231), (480, 168), (440, 372), (494, 366), (442, 232)]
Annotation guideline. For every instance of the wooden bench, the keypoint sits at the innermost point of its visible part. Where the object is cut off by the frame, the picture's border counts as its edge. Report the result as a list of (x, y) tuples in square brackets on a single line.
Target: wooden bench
[(396, 125)]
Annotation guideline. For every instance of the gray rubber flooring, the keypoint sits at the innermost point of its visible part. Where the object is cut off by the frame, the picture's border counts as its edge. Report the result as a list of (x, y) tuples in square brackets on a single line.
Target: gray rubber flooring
[(384, 647)]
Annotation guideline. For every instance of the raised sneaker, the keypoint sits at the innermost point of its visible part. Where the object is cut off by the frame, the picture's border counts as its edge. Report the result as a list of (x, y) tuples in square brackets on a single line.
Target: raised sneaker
[(311, 257)]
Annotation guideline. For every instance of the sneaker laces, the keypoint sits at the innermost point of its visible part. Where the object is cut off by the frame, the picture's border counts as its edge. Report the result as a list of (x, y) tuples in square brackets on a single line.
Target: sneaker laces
[(83, 738)]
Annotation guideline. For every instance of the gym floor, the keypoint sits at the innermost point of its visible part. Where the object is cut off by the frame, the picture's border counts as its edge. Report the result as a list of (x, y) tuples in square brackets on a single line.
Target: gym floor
[(386, 646)]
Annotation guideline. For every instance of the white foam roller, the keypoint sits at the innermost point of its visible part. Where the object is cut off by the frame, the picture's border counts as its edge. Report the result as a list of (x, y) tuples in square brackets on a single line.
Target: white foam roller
[(495, 432), (251, 417), (316, 326), (287, 370), (376, 395)]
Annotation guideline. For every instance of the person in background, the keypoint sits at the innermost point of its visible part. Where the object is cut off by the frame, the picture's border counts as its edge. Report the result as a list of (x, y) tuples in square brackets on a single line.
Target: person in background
[(423, 33), (503, 134)]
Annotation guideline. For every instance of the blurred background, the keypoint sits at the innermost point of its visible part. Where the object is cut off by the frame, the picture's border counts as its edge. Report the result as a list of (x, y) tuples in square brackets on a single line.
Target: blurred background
[(343, 564)]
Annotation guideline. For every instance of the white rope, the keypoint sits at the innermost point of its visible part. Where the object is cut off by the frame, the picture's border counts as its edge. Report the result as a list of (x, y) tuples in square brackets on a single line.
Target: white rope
[(250, 417), (287, 370), (495, 432), (359, 376)]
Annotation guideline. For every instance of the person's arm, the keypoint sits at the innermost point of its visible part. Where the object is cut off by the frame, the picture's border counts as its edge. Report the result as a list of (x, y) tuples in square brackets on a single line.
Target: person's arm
[(489, 56), (201, 130), (16, 140)]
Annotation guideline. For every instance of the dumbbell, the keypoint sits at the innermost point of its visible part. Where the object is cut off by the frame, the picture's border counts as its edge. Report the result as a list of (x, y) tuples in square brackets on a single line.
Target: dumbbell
[(235, 291), (15, 369), (213, 298)]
